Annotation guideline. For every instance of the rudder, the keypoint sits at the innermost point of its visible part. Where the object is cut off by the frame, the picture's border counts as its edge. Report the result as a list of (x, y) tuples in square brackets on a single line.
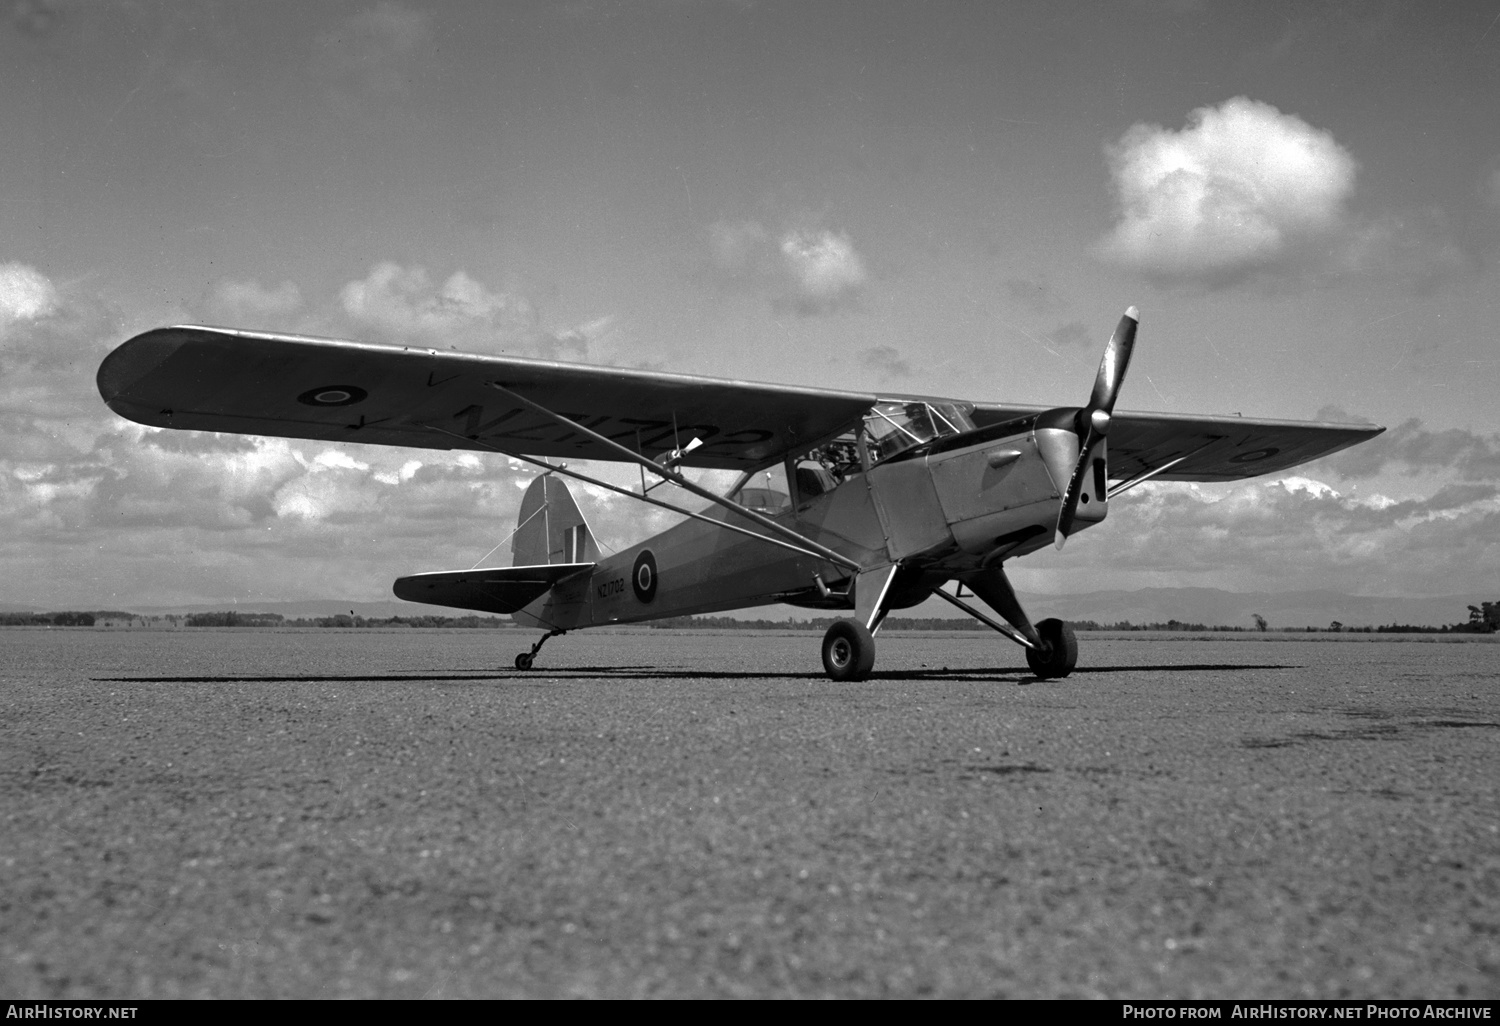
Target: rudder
[(551, 528)]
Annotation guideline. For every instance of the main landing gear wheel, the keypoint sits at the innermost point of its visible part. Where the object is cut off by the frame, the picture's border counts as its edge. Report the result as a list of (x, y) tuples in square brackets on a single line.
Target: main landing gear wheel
[(524, 660), (1061, 653), (848, 650)]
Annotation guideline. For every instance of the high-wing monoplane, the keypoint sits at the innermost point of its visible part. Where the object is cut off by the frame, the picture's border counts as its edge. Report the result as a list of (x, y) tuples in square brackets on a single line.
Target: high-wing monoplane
[(854, 501)]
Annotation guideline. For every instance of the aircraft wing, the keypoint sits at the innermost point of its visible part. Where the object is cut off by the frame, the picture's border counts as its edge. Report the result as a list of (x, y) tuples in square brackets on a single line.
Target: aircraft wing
[(1217, 448), (499, 590), (221, 379)]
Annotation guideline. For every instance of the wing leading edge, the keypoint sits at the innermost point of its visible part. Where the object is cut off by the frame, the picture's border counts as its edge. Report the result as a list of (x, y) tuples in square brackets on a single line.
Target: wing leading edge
[(219, 379), (1216, 448)]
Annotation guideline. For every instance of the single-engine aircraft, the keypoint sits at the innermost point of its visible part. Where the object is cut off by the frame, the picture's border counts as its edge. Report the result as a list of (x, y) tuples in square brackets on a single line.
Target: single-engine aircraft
[(851, 501)]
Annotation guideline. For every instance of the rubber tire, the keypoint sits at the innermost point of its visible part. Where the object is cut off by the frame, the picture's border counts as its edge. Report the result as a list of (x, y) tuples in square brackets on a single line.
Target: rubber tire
[(523, 660), (848, 650), (1062, 650)]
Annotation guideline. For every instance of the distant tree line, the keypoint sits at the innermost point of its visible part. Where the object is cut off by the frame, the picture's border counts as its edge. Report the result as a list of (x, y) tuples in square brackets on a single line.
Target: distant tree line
[(1483, 619), (66, 619), (236, 619)]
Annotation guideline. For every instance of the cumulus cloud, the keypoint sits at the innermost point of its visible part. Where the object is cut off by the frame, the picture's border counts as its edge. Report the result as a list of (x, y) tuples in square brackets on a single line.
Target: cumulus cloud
[(173, 516), (825, 268), (395, 303), (239, 302), (25, 294), (403, 302), (808, 271), (1411, 448), (1241, 188), (44, 336), (1298, 533)]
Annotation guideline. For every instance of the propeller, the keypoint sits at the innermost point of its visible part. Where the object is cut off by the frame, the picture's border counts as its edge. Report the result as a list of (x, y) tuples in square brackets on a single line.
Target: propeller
[(672, 457), (1092, 423)]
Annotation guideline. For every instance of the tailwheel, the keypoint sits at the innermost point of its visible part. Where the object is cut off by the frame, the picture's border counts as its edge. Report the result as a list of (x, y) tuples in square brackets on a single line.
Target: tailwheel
[(848, 650), (525, 659), (1059, 656)]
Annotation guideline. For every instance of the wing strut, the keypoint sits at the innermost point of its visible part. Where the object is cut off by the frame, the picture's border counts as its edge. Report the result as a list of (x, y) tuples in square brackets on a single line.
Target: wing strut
[(800, 541), (1142, 478), (807, 549)]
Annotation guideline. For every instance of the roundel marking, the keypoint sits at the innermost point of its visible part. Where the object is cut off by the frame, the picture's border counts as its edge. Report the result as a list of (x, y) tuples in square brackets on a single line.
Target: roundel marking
[(333, 395), (1254, 456), (643, 577)]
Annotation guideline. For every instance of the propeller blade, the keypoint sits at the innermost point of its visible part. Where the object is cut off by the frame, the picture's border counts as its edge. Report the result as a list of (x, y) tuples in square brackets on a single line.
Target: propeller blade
[(1112, 367), (1093, 419), (1070, 500)]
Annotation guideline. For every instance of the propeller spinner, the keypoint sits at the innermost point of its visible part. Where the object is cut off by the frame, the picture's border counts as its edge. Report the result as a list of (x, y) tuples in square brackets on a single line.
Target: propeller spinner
[(1092, 423)]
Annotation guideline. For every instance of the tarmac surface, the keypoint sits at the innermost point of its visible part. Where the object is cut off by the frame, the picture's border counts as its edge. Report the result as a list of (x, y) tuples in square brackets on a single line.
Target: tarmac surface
[(322, 813)]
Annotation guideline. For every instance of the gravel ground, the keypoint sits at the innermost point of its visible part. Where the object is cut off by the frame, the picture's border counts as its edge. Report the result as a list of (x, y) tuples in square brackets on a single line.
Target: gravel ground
[(246, 813)]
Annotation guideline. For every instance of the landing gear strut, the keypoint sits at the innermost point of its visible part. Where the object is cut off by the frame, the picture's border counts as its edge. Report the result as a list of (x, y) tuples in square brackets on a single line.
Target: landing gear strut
[(525, 659), (1051, 647)]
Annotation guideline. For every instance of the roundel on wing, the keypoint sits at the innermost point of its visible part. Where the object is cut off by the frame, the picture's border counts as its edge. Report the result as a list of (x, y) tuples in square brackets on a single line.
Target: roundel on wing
[(333, 395), (643, 577), (1254, 456)]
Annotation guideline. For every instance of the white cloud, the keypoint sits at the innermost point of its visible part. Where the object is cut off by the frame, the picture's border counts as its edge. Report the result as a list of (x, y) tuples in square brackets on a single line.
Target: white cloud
[(1242, 187), (403, 302), (1293, 533), (810, 271), (239, 301), (1317, 489), (1413, 449), (823, 265), (25, 294)]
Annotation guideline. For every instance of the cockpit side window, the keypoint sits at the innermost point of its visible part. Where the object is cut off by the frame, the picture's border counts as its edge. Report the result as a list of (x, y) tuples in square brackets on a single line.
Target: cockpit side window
[(828, 466), (765, 491)]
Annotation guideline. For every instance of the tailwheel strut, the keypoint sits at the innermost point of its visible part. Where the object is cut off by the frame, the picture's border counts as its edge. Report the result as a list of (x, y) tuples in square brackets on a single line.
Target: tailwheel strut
[(525, 659)]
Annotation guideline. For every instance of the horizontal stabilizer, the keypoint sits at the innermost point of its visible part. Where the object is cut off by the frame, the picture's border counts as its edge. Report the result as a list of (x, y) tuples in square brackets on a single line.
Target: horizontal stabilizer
[(499, 590)]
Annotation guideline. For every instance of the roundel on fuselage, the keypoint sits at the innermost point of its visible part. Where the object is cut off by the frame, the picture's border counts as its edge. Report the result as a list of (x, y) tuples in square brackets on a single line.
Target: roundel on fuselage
[(643, 577)]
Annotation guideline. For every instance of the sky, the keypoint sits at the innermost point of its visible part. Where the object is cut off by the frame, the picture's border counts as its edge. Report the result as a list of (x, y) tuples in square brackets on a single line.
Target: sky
[(955, 199)]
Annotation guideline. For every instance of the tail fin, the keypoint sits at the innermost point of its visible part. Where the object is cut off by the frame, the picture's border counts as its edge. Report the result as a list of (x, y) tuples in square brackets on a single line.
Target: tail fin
[(552, 528)]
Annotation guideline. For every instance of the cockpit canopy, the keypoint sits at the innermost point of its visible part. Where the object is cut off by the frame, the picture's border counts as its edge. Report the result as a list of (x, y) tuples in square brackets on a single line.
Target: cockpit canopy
[(892, 428)]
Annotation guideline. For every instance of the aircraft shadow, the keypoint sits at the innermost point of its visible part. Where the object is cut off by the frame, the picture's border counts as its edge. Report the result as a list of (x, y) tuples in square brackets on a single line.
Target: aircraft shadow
[(315, 678), (1015, 674), (942, 673)]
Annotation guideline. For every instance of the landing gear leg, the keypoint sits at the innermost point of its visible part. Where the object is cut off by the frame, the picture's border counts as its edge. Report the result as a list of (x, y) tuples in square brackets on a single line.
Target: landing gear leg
[(525, 659), (849, 645), (1051, 647)]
